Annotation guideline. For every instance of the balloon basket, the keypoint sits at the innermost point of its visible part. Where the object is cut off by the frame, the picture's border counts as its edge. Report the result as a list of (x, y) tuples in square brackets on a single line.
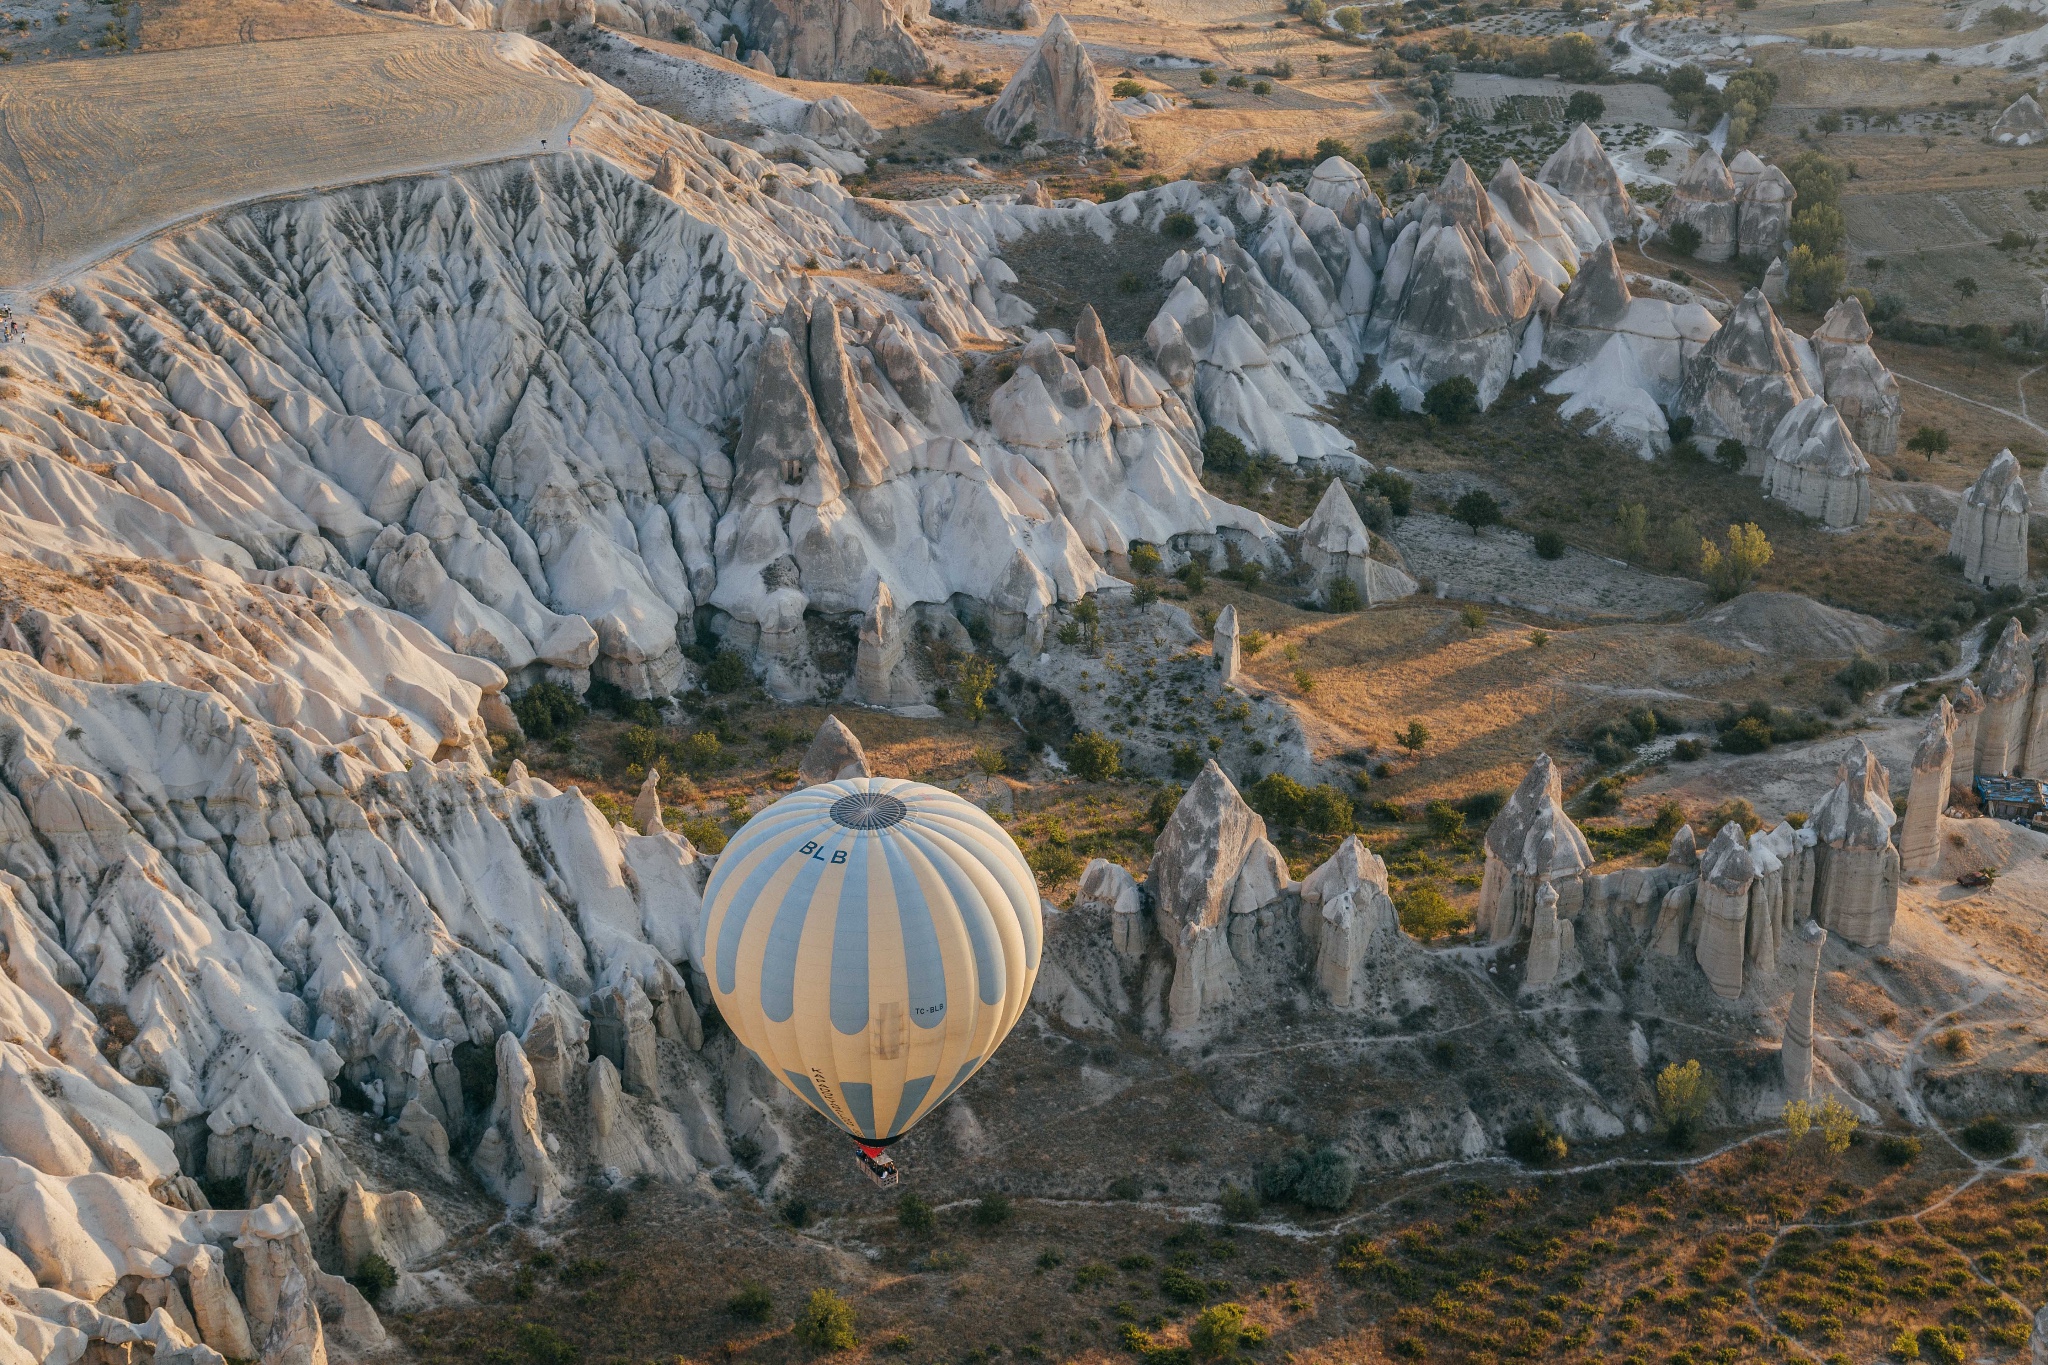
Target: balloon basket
[(878, 1166)]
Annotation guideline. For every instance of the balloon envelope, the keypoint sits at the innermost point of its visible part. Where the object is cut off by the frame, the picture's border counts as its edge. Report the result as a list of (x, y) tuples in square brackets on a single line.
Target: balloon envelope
[(872, 941)]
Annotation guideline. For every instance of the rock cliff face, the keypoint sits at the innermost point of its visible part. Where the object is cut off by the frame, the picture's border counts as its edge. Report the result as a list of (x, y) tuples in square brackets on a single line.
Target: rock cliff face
[(1920, 831), (1990, 532), (1581, 172), (1705, 197), (1334, 546), (818, 40), (1856, 381), (1530, 844), (1815, 466), (2021, 125), (1856, 872), (1056, 95), (833, 40), (1744, 381)]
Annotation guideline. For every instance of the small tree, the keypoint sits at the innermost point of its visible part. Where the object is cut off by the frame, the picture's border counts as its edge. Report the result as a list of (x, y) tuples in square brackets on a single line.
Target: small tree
[(1477, 509), (1584, 107), (1414, 737), (1145, 559), (1383, 403), (1731, 455), (915, 1215), (1733, 572), (1451, 400), (753, 1302), (974, 677), (1682, 1096), (1223, 452), (374, 1277), (1683, 238), (1223, 1330), (1837, 1125), (1094, 757), (1929, 441), (1426, 913), (1966, 286), (1088, 616), (1632, 522), (1341, 596), (826, 1324)]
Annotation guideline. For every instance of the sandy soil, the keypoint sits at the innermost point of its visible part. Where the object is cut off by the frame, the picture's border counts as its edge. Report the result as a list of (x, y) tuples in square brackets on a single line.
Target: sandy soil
[(312, 112), (1500, 565), (168, 24)]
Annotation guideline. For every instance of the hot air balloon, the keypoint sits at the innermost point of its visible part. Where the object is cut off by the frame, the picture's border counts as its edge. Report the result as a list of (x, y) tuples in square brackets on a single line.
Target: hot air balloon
[(873, 941)]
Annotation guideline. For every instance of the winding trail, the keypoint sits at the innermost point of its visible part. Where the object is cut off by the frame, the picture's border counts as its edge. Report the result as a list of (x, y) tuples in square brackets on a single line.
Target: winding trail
[(2019, 417)]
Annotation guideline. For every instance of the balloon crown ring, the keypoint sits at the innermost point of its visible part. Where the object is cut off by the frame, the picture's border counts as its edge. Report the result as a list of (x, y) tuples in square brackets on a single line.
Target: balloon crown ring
[(869, 811)]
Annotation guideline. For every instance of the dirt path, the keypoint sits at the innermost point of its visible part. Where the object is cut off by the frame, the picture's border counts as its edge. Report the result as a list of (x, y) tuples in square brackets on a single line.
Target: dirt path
[(2019, 416)]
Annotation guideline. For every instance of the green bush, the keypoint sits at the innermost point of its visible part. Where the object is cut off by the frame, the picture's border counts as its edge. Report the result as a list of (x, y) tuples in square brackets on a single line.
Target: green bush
[(753, 1302), (547, 709), (1320, 810), (1446, 822), (1341, 596), (1451, 400), (1178, 225), (826, 1324), (992, 1210), (727, 672), (1322, 1179), (915, 1215), (1862, 676), (1145, 559), (1897, 1149), (1683, 238), (1127, 90), (1549, 544), (1990, 1136), (1383, 403), (1181, 1287), (1398, 491), (1535, 1143), (1239, 1205), (1731, 455), (374, 1277), (1223, 452), (1584, 107), (1426, 913), (1477, 509), (1747, 736), (543, 1345), (1094, 757), (1185, 760), (1223, 1330)]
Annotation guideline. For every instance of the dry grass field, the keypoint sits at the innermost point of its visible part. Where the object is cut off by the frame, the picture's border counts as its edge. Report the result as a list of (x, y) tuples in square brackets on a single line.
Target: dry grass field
[(308, 112)]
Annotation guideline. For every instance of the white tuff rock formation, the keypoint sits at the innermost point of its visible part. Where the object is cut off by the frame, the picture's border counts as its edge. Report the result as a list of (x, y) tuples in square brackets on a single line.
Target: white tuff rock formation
[(1859, 385), (1969, 709), (1856, 872), (1727, 872), (1582, 172), (1055, 93), (1224, 647), (1927, 797), (1744, 381), (1532, 843), (1705, 197), (1795, 1057), (1815, 466), (1765, 218), (835, 754), (1990, 532), (1334, 545), (2021, 125), (2004, 729), (1622, 358), (1212, 862)]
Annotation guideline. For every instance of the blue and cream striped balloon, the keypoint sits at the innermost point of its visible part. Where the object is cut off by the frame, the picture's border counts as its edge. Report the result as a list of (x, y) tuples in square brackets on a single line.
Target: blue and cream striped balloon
[(873, 941)]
